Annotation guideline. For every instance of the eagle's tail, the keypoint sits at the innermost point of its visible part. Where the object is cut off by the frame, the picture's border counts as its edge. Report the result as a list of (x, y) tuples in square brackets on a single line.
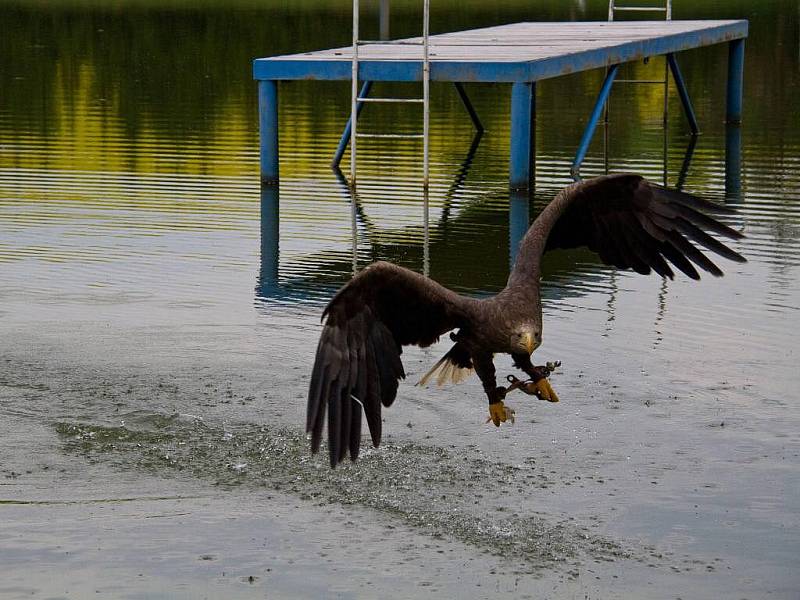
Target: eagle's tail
[(454, 366)]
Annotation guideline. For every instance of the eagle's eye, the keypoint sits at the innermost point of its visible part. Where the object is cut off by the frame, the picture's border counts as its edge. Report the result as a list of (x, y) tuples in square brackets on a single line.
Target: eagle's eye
[(526, 340)]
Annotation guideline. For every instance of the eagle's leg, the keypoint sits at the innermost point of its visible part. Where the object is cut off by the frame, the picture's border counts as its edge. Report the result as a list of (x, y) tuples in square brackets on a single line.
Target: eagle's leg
[(498, 412), (539, 375)]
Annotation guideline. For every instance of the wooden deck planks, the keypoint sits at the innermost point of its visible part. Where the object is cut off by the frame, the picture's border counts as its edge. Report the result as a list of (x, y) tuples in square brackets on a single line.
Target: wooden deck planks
[(519, 53), (520, 43), (514, 52)]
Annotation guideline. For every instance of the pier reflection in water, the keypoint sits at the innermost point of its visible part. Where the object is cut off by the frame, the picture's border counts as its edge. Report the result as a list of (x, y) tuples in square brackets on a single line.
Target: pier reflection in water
[(313, 281)]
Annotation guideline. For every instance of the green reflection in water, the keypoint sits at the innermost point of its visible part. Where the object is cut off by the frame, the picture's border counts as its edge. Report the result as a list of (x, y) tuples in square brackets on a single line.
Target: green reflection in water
[(140, 119), (165, 86)]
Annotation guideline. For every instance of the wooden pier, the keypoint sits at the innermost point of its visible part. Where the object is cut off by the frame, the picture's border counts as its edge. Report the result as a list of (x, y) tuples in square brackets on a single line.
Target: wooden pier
[(520, 54)]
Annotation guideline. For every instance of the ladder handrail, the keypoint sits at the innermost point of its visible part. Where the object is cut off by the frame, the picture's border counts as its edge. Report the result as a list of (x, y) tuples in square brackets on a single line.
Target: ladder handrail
[(356, 100), (354, 96), (667, 9), (426, 90)]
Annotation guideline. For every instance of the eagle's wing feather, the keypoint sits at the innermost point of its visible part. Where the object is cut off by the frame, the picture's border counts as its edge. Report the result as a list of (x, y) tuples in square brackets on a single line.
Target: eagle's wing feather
[(631, 224), (381, 309)]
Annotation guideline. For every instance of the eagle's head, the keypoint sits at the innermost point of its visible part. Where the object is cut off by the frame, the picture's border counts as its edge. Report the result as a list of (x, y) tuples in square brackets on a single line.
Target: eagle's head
[(526, 338)]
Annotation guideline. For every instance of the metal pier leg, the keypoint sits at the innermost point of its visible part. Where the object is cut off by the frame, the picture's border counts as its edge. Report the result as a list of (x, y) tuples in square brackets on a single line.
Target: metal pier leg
[(268, 285), (523, 116), (735, 81), (733, 162), (519, 214), (683, 93), (462, 93), (337, 157), (583, 147), (268, 129)]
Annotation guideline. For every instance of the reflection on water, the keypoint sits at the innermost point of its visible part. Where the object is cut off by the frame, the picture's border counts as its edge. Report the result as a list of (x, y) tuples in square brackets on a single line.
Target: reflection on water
[(316, 283), (130, 202)]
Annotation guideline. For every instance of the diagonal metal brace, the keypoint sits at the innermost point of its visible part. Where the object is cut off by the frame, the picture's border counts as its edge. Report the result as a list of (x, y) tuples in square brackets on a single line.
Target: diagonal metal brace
[(348, 128), (683, 93), (473, 115), (362, 95), (597, 111)]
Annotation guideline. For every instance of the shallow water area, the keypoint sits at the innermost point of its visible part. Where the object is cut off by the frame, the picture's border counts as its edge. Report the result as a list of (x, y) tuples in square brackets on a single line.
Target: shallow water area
[(159, 312)]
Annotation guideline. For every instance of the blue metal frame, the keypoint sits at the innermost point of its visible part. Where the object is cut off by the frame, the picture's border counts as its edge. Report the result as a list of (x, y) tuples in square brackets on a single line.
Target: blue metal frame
[(473, 115), (348, 128), (522, 75), (270, 240), (602, 97), (597, 111), (268, 129), (733, 162), (283, 67), (735, 81), (683, 93), (519, 215), (365, 89), (523, 116)]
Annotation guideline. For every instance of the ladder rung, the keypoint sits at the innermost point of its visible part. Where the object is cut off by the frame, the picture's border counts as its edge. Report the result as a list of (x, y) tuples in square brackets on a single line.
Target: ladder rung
[(642, 8), (404, 100), (393, 136), (357, 100), (640, 81), (389, 43)]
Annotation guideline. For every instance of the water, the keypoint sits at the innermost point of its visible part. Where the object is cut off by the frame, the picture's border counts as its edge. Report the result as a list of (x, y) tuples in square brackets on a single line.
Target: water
[(158, 323)]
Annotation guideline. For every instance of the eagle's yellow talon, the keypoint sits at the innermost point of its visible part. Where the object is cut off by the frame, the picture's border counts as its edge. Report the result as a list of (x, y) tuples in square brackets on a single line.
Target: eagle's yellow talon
[(500, 413), (545, 391)]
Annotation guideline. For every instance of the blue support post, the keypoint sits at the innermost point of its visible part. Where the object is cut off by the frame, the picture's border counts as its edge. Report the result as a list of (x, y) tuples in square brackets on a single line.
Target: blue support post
[(268, 285), (473, 115), (523, 115), (733, 162), (735, 81), (348, 128), (683, 93), (268, 129), (597, 111), (519, 214)]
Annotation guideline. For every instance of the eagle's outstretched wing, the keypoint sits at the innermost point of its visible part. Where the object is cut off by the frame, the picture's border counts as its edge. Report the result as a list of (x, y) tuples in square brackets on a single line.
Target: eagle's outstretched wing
[(631, 224), (383, 308)]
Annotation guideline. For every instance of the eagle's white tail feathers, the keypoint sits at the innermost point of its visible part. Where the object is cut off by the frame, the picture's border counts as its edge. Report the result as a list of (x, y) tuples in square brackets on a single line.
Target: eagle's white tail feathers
[(445, 370)]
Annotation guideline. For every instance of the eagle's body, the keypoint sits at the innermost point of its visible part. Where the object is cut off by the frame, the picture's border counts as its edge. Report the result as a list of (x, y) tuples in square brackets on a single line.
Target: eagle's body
[(627, 221)]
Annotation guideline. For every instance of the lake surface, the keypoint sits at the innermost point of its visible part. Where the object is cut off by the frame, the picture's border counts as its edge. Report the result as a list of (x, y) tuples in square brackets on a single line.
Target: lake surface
[(159, 313)]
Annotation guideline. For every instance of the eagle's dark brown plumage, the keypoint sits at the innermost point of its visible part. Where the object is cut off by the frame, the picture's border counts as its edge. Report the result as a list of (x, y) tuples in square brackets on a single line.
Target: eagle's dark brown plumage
[(630, 223)]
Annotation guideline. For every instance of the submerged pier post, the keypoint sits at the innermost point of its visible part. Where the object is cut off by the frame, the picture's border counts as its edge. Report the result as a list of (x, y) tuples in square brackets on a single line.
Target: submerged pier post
[(733, 162), (519, 214), (268, 285), (735, 81), (523, 130), (268, 129)]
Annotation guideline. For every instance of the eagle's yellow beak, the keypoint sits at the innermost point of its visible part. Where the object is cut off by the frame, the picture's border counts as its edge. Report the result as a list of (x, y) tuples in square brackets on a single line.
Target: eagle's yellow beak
[(530, 343)]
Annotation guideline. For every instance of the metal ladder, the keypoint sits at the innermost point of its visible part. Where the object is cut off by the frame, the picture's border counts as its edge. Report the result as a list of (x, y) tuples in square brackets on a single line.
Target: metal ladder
[(601, 104), (357, 99), (667, 10), (613, 8)]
